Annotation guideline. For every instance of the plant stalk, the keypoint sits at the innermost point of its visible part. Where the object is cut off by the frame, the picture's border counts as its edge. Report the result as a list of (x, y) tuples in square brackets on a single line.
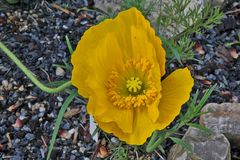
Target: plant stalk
[(153, 144), (29, 74)]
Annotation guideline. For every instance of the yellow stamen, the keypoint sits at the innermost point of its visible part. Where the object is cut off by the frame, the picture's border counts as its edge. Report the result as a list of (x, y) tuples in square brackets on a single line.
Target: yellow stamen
[(134, 85), (141, 92)]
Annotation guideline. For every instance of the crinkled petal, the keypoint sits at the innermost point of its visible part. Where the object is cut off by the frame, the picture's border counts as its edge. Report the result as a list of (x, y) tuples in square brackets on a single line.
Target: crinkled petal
[(176, 90), (111, 43), (142, 128), (94, 62), (106, 46), (122, 117)]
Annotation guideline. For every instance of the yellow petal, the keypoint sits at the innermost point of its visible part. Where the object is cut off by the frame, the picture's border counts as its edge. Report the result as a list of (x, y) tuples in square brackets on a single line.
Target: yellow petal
[(122, 117), (161, 55), (94, 107), (111, 43), (142, 128), (94, 63), (153, 111), (176, 90), (143, 37)]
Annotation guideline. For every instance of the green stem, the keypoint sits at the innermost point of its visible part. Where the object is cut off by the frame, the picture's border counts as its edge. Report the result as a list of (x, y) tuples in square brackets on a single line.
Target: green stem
[(151, 147), (153, 138), (28, 73)]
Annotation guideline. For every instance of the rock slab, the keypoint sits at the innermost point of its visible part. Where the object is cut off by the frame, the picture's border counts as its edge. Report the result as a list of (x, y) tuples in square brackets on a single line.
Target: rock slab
[(223, 118), (205, 147)]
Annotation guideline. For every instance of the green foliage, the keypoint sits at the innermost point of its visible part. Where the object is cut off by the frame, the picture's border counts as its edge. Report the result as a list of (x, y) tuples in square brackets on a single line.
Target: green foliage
[(59, 120), (161, 149), (70, 49), (182, 143), (176, 20), (181, 16), (194, 111), (180, 50), (236, 42), (200, 127), (119, 153), (180, 22), (65, 64), (146, 7)]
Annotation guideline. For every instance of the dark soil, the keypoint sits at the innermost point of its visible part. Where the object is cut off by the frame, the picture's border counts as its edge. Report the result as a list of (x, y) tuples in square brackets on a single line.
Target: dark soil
[(36, 33)]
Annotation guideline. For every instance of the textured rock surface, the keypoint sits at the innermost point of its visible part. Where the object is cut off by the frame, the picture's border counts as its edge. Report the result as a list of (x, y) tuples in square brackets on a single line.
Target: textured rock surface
[(223, 118), (205, 147)]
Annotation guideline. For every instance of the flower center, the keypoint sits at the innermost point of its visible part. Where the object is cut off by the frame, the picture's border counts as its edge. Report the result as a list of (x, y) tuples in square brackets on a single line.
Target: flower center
[(134, 85)]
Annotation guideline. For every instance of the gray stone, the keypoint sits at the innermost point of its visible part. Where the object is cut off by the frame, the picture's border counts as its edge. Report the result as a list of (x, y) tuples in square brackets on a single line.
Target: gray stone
[(205, 147), (223, 118), (60, 72)]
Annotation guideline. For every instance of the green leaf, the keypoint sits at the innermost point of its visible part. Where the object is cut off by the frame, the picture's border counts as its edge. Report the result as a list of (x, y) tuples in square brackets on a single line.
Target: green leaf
[(161, 149), (67, 66), (59, 65), (168, 44), (70, 49), (194, 100), (200, 127), (59, 120), (204, 99), (182, 143)]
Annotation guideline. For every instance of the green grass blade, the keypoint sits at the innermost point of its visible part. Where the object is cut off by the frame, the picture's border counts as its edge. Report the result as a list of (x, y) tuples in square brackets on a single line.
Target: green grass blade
[(59, 65), (174, 51), (204, 99), (58, 122), (182, 143), (67, 66), (70, 49), (200, 127), (160, 147), (194, 100)]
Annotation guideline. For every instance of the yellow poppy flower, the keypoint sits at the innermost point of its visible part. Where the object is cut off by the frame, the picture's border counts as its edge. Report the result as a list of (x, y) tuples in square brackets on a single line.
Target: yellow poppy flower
[(118, 65)]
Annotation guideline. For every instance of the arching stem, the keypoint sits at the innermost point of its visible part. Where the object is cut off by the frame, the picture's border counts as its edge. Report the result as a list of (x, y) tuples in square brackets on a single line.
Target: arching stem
[(29, 74)]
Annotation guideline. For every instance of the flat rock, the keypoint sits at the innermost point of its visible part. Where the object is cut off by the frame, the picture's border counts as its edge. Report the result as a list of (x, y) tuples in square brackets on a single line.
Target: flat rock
[(205, 147), (223, 118)]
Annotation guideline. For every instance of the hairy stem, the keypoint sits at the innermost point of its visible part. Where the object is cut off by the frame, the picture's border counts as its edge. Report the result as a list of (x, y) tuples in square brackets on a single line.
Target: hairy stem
[(29, 74)]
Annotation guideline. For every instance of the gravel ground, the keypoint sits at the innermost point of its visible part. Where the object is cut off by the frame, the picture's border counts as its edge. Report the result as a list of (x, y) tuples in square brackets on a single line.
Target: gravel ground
[(218, 52), (27, 115), (37, 35)]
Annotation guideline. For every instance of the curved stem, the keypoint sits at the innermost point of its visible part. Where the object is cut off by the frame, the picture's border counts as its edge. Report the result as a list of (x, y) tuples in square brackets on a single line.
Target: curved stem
[(29, 74)]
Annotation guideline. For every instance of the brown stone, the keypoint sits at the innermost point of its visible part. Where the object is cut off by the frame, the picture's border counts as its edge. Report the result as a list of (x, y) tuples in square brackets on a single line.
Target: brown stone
[(223, 118), (205, 147)]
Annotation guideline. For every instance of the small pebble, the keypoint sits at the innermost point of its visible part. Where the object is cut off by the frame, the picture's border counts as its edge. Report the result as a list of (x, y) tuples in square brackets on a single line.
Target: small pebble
[(29, 136), (60, 72)]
